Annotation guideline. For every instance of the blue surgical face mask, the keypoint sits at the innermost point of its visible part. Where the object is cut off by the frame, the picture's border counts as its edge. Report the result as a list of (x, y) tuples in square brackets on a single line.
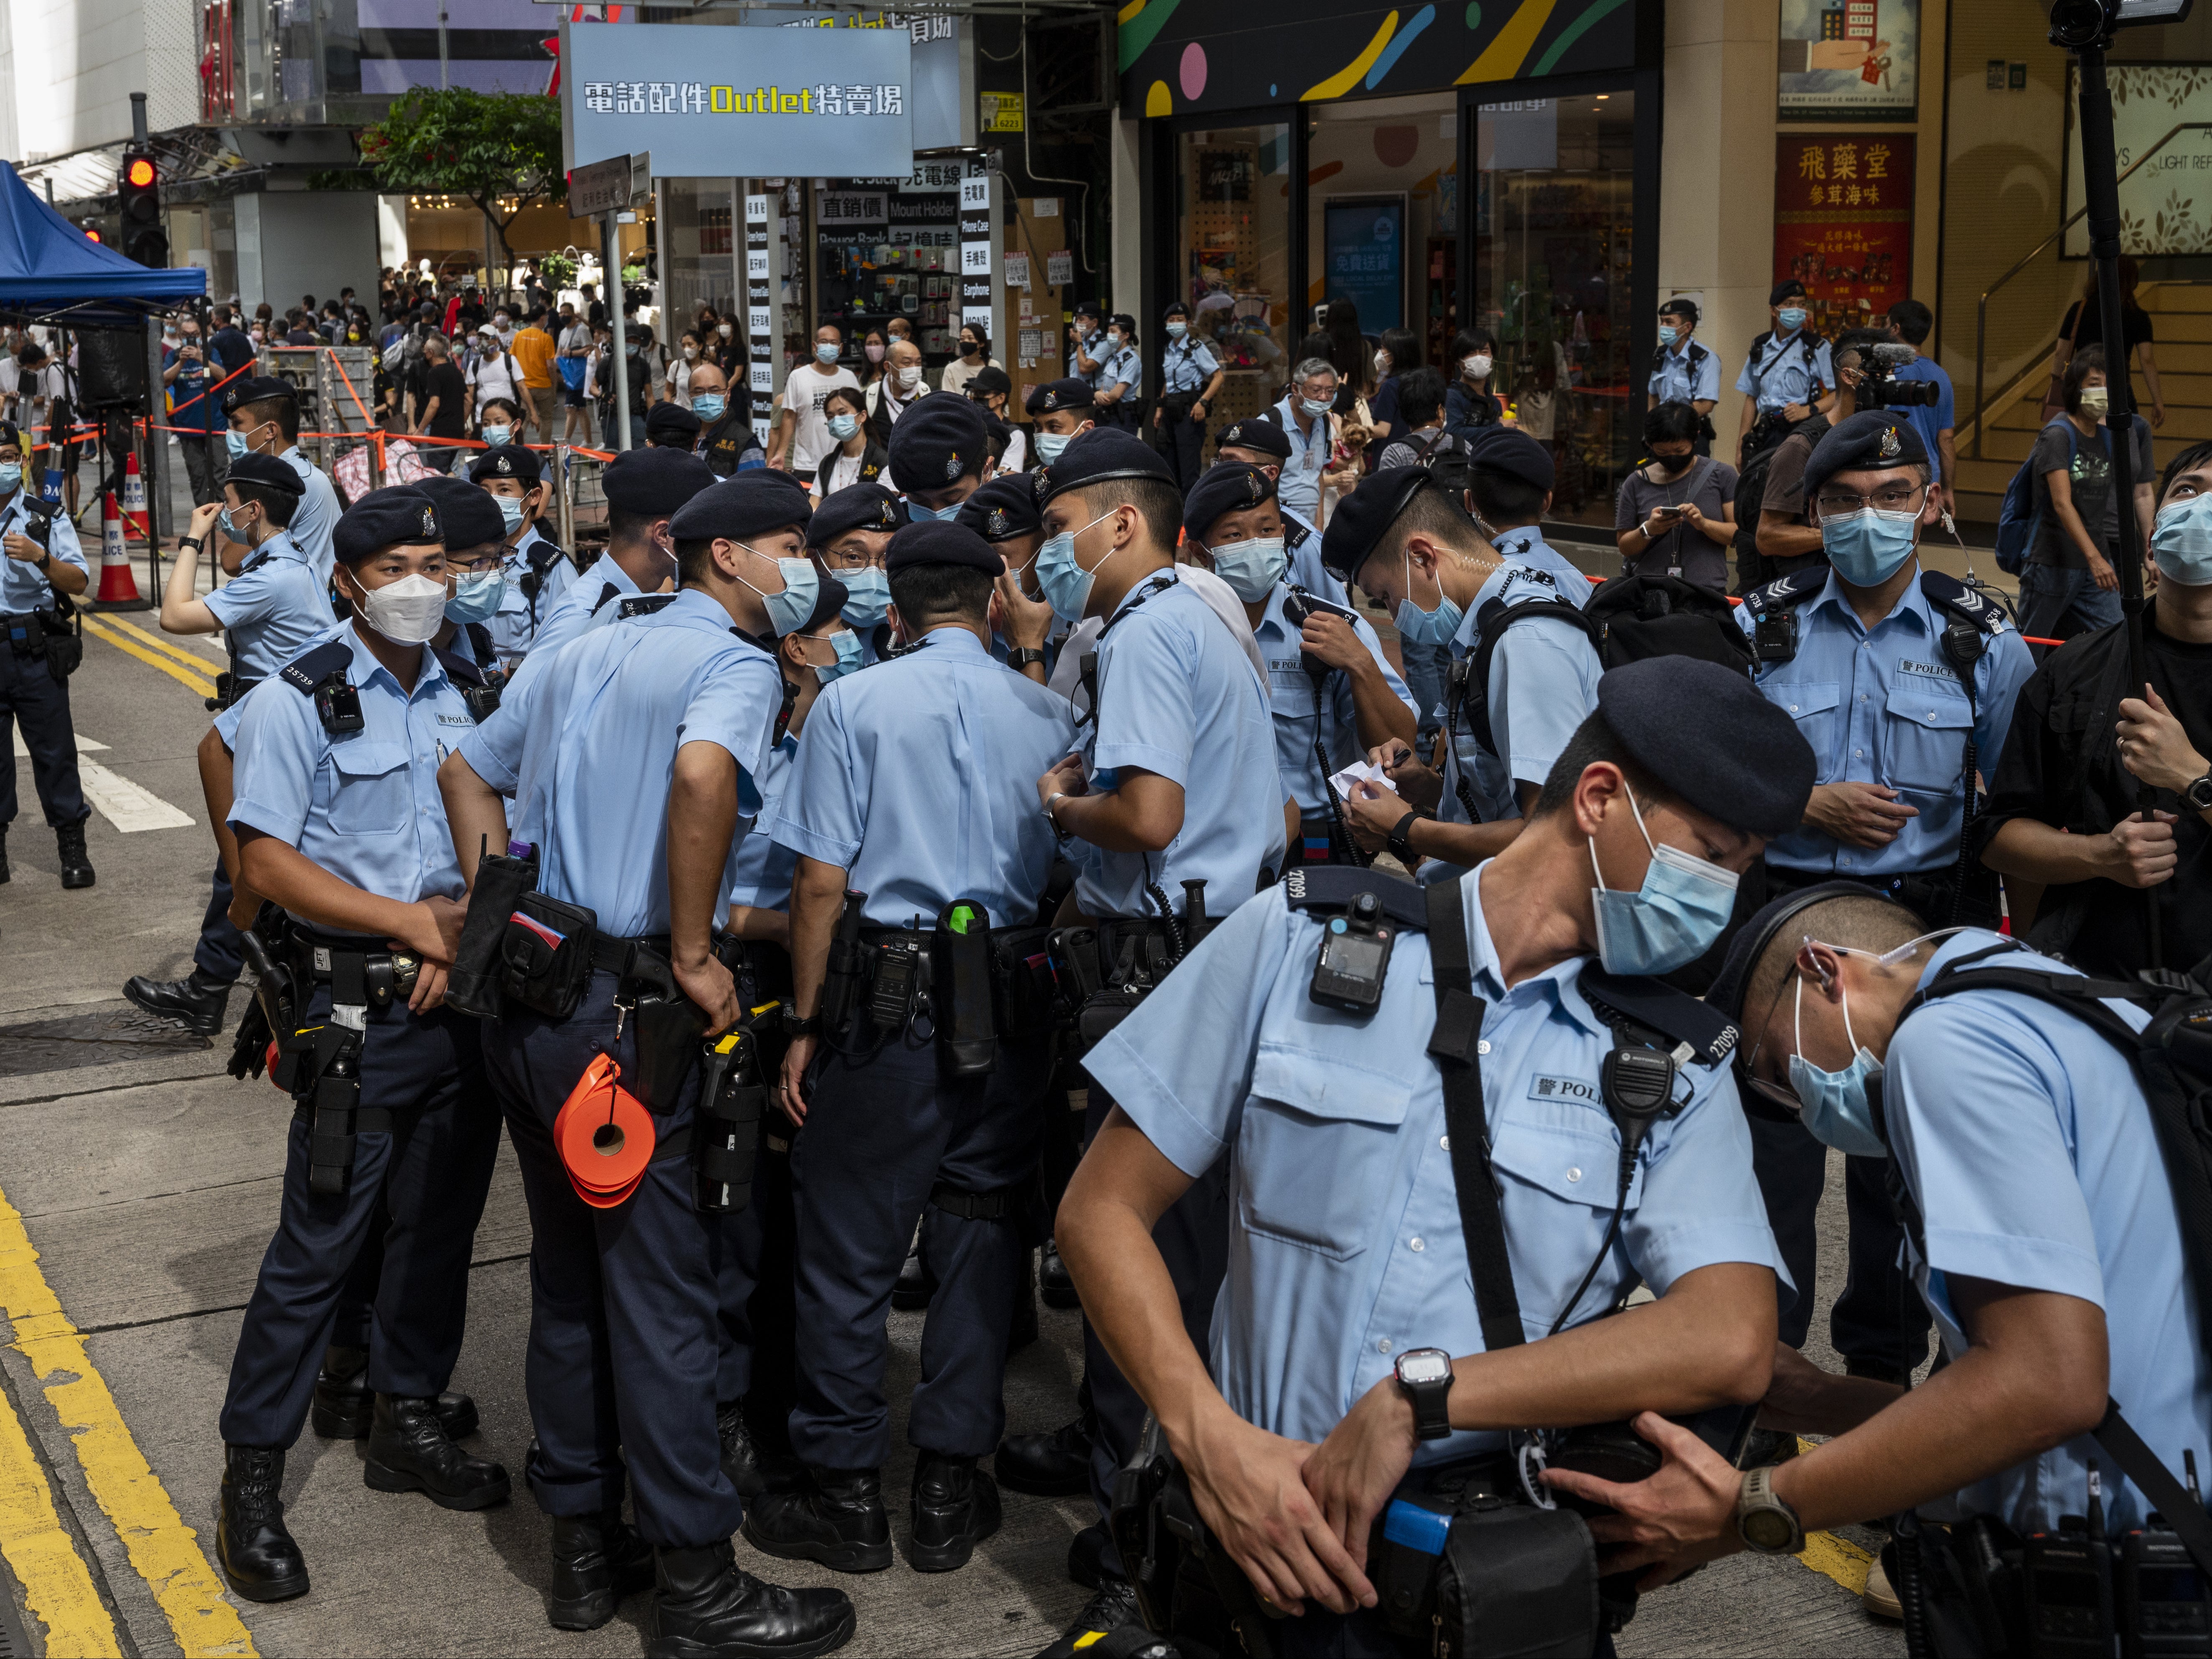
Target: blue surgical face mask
[(868, 596), (497, 435), (708, 405), (917, 512), (1422, 626), (11, 478), (787, 611), (841, 427), (1792, 318), (1867, 547), (1668, 334), (2181, 542), (1176, 331), (1049, 444), (510, 511), (235, 443), (847, 646), (231, 527), (1835, 1107), (1317, 407), (1067, 584), (1674, 918), (1251, 567), (825, 352), (477, 594)]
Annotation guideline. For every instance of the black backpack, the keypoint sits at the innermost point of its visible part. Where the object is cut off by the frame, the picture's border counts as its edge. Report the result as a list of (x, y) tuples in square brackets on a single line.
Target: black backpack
[(1446, 457), (1751, 566), (1658, 615)]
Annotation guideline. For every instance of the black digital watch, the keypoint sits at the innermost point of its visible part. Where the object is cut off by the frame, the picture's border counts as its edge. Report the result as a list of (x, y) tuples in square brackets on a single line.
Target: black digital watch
[(1426, 1375)]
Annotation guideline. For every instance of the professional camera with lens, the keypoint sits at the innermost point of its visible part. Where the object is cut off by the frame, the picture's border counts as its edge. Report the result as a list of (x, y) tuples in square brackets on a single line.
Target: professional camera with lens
[(1879, 387)]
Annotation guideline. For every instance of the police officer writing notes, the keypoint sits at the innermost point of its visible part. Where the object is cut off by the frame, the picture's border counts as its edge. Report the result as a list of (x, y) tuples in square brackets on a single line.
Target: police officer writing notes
[(2050, 1241), (1375, 1181), (338, 821), (42, 560), (913, 790), (627, 766)]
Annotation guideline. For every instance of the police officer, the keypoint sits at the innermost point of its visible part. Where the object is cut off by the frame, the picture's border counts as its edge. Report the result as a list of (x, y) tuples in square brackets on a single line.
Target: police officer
[(913, 784), (1004, 513), (2049, 1242), (478, 560), (338, 821), (1086, 336), (662, 720), (1786, 374), (1526, 685), (1903, 681), (1509, 477), (1346, 1322), (1062, 411), (1191, 377), (938, 452), (849, 533), (37, 567), (264, 420), (270, 611), (1117, 390), (1683, 371), (535, 570), (670, 425), (1175, 783), (1331, 692), (1261, 442)]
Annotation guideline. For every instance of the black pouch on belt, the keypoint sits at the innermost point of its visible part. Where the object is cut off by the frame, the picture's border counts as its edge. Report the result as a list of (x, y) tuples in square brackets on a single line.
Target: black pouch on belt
[(545, 954), (669, 1026), (960, 991), (65, 637), (725, 1128), (473, 987), (1021, 968), (1515, 1579)]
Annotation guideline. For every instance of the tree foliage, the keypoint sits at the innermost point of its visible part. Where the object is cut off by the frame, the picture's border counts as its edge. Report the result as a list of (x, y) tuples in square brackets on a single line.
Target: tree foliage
[(480, 145)]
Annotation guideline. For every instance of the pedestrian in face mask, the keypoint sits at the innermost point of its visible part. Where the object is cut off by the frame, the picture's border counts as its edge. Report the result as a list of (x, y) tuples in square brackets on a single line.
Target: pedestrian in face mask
[(1469, 400), (2070, 584)]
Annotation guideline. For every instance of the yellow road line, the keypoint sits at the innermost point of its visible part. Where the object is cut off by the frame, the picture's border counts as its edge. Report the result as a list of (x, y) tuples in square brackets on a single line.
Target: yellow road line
[(55, 1581), (190, 681), (163, 1550), (1835, 1558), (184, 654)]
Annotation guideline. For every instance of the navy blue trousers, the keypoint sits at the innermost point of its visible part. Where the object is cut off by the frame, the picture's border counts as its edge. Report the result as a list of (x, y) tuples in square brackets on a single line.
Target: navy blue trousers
[(417, 1193), (32, 698), (624, 1350), (219, 955), (881, 1132), (758, 1310)]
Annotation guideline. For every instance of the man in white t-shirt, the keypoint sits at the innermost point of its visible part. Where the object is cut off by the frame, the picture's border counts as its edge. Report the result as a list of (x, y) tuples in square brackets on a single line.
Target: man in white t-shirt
[(492, 371), (802, 432)]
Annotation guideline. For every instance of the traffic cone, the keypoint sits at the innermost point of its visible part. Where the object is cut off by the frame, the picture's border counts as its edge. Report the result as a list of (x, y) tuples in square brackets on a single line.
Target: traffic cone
[(134, 497), (117, 587)]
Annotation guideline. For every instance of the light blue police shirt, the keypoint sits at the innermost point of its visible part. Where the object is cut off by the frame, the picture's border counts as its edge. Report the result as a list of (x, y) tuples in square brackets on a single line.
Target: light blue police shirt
[(1297, 486), (22, 586), (1093, 347), (918, 778), (1542, 684), (760, 868), (1296, 708), (510, 625), (1526, 545), (363, 806), (274, 607), (1687, 372), (1884, 706), (1178, 697), (315, 520), (1782, 365), (2025, 1140), (587, 752), (1346, 1249), (1186, 365), (575, 612), (1125, 366)]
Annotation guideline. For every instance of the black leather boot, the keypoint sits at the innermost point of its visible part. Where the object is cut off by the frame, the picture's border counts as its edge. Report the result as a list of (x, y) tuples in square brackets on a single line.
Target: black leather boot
[(1086, 1553), (954, 1507), (194, 1002), (343, 1406), (1113, 1606), (836, 1518), (76, 866), (409, 1452), (259, 1559), (1053, 1279), (598, 1560), (741, 1459), (708, 1609), (1055, 1465)]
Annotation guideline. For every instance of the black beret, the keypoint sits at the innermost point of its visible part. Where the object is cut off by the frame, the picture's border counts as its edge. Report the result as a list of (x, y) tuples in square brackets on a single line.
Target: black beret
[(1506, 449), (1788, 288), (939, 438), (257, 388), (667, 420), (990, 378), (1256, 433), (1711, 738), (12, 435), (1070, 394), (745, 505), (941, 541), (1363, 518), (1873, 438), (267, 472), (1679, 306), (401, 516), (653, 481), (1088, 308), (1225, 487), (469, 515), (1002, 508), (829, 599), (1749, 942), (507, 461), (1099, 454), (856, 506)]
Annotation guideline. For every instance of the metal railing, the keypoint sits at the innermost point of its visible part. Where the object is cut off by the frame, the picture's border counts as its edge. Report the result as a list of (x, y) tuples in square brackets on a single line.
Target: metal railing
[(1982, 306)]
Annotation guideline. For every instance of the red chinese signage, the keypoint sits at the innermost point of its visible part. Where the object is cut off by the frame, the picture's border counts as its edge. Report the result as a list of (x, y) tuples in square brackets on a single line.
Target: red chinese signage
[(1843, 224)]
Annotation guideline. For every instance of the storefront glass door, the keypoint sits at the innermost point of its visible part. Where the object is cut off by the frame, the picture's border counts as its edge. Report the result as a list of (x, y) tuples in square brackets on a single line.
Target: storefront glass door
[(1233, 243)]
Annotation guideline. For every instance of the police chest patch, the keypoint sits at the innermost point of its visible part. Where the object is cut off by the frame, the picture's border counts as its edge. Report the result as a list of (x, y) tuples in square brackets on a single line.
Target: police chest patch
[(1937, 671), (455, 719), (1565, 1088)]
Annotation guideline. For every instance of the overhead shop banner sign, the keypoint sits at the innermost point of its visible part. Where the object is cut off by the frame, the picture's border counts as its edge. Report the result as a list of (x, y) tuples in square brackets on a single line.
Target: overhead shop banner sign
[(711, 102), (1843, 223)]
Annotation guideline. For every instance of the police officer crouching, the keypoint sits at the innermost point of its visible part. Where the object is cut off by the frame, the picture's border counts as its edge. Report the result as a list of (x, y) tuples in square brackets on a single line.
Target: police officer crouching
[(658, 721), (42, 568), (338, 821), (917, 1063), (1426, 1090)]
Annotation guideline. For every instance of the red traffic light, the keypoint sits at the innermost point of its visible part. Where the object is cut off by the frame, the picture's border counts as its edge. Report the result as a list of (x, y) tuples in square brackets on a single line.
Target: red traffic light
[(139, 174), (93, 236)]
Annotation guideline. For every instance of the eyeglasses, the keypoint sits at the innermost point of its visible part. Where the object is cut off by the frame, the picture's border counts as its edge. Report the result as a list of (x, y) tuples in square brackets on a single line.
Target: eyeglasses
[(1897, 498), (853, 558)]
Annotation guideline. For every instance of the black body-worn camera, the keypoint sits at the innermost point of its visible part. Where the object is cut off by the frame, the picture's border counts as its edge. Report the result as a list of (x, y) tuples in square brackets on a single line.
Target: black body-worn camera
[(1355, 958)]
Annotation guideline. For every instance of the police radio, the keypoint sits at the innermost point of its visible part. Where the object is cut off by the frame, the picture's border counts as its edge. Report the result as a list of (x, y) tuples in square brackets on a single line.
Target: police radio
[(1354, 959), (2068, 1576), (2164, 1606), (1297, 606)]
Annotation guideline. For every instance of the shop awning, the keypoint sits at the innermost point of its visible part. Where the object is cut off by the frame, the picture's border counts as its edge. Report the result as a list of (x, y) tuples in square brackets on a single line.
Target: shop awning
[(52, 272)]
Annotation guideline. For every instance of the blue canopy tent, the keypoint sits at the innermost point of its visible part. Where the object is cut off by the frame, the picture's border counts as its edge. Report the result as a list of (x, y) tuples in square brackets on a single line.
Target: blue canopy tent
[(51, 272)]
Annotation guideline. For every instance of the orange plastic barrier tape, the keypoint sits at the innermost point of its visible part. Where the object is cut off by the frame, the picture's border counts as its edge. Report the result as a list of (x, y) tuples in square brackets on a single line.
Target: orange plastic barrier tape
[(604, 1135)]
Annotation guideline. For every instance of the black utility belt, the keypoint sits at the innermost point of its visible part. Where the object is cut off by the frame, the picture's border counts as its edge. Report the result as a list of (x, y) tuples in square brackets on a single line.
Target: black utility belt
[(229, 690), (1102, 972), (382, 974), (971, 987), (48, 634)]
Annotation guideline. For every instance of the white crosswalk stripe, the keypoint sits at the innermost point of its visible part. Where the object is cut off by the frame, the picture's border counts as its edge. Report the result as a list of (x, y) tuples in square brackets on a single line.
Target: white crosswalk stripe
[(129, 806)]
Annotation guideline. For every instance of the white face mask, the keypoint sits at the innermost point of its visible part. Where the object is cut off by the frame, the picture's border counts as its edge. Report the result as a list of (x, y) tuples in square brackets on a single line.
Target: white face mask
[(408, 611), (911, 376), (1476, 367), (1382, 365)]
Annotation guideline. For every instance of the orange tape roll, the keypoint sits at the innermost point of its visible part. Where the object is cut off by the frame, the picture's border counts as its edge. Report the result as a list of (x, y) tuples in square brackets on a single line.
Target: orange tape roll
[(604, 1135)]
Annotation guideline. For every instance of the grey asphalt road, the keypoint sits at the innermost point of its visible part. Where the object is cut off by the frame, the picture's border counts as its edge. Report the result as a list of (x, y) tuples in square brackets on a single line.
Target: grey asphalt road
[(138, 1185)]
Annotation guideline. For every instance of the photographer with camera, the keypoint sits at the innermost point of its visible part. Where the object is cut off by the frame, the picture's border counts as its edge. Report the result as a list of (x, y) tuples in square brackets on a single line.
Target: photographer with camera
[(1935, 416), (1786, 540), (43, 569), (1460, 1116)]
